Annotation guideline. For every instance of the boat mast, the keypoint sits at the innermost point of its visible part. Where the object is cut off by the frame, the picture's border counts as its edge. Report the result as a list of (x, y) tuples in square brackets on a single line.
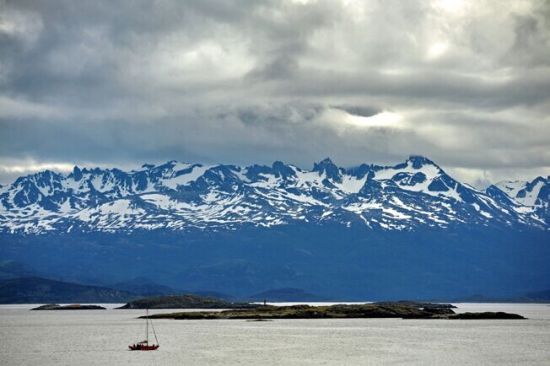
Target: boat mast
[(154, 333), (147, 326)]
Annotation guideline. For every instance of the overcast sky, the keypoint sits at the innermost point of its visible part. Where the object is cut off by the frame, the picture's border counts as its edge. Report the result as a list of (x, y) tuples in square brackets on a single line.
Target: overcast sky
[(466, 83)]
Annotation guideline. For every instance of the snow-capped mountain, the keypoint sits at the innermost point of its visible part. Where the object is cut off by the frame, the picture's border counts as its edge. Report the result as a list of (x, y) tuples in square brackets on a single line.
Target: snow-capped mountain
[(179, 196), (533, 194)]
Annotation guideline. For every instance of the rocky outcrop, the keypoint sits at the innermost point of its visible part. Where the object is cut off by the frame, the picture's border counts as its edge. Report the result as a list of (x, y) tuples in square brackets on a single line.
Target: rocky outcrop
[(69, 307), (486, 315)]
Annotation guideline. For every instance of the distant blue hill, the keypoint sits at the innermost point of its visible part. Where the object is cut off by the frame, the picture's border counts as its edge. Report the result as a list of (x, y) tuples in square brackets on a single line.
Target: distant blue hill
[(10, 269), (144, 287), (340, 263), (41, 290)]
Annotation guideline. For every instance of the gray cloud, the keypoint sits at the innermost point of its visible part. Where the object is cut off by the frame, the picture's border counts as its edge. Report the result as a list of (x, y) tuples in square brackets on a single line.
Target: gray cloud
[(360, 110), (466, 83)]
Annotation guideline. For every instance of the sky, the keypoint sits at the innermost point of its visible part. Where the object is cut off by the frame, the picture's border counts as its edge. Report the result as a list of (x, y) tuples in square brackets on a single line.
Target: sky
[(102, 83)]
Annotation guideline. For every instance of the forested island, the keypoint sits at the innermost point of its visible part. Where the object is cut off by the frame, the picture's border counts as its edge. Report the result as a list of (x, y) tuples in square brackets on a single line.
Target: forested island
[(403, 310)]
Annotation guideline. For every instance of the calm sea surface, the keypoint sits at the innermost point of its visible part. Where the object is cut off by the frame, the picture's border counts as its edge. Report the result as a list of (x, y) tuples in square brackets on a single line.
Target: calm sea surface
[(96, 337)]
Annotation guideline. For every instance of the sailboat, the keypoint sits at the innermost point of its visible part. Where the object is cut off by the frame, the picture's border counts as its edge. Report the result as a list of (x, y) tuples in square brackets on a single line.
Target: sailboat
[(144, 345)]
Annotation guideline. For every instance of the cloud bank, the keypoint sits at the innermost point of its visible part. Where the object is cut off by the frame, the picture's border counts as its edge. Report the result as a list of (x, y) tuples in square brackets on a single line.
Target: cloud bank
[(466, 83)]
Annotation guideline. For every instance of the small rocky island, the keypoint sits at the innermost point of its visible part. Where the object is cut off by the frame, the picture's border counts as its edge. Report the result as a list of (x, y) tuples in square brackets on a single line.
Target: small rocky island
[(188, 301), (69, 307), (403, 310)]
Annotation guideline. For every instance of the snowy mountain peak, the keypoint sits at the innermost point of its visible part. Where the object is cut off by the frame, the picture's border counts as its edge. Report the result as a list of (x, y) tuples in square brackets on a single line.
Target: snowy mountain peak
[(327, 167), (533, 193), (418, 161), (282, 170), (76, 173)]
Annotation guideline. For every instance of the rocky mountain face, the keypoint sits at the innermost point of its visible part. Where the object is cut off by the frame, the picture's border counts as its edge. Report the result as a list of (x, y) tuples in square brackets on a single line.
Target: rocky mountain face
[(175, 196)]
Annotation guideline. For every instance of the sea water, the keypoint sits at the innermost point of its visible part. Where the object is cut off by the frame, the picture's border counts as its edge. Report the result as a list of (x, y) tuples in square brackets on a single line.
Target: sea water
[(101, 337)]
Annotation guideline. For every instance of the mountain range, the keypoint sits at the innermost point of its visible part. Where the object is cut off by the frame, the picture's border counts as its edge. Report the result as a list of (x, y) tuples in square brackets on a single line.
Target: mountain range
[(368, 232), (180, 196)]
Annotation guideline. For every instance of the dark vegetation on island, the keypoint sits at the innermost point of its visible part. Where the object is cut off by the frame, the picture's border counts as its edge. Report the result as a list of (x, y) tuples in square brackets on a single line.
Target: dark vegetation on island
[(403, 310), (417, 304), (69, 307), (486, 315)]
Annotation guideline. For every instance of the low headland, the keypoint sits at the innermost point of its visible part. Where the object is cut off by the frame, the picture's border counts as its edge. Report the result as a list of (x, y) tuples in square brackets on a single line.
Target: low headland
[(403, 310), (69, 307)]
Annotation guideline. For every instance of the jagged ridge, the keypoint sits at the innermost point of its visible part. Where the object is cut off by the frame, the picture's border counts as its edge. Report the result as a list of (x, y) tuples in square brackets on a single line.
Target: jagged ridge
[(179, 196)]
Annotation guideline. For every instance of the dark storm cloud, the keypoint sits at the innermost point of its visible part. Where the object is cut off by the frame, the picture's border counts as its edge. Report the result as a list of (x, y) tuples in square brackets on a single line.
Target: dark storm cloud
[(464, 82)]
